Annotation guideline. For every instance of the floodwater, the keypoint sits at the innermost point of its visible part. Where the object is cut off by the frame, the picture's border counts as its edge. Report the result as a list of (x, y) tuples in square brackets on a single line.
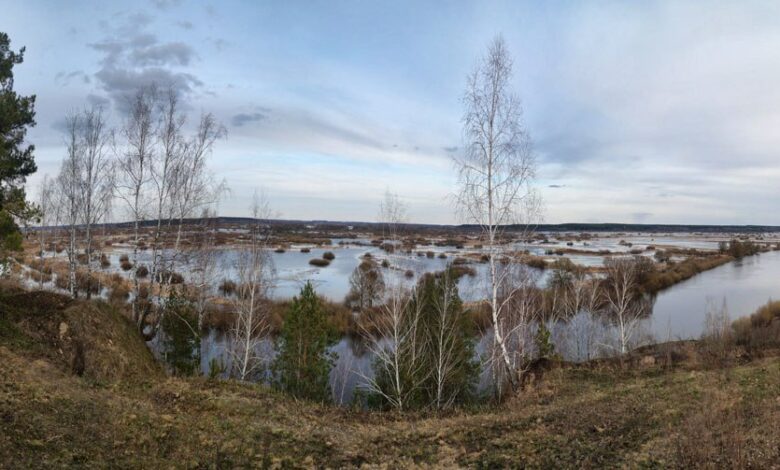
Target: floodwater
[(679, 312), (744, 285), (292, 269)]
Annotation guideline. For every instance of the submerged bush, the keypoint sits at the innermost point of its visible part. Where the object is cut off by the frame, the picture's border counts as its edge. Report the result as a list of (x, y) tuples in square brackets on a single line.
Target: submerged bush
[(328, 255), (169, 277), (319, 262), (87, 283), (227, 287), (119, 294), (535, 262)]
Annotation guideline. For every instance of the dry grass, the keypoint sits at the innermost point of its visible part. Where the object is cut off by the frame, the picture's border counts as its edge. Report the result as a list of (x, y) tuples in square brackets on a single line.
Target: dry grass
[(123, 413), (575, 419)]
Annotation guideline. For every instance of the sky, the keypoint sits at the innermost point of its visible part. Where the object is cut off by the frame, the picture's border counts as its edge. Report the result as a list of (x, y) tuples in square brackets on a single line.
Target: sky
[(639, 112)]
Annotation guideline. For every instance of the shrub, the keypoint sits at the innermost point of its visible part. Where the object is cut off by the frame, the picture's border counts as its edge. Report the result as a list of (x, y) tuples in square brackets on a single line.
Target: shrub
[(385, 263), (717, 339), (279, 250), (328, 255), (39, 276), (104, 261), (227, 287), (319, 262), (119, 294), (61, 280), (143, 291), (123, 257), (142, 271), (169, 277), (409, 274), (87, 283), (535, 262), (739, 249), (442, 255), (367, 285), (461, 270), (305, 250), (126, 265), (761, 329), (41, 266)]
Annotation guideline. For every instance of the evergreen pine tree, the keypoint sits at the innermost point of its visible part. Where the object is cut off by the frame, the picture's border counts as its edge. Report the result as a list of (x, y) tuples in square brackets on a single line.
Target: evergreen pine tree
[(439, 370), (16, 159), (302, 366), (448, 334)]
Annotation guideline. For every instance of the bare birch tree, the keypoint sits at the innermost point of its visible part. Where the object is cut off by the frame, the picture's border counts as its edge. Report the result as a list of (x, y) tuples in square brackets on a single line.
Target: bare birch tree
[(69, 194), (255, 274), (134, 171), (162, 173), (47, 213), (203, 259), (495, 172), (625, 307), (193, 187), (391, 336), (450, 355), (95, 179), (520, 306)]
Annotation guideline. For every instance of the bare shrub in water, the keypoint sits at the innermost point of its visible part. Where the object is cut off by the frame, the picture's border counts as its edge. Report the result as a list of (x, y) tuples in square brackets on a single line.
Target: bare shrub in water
[(255, 274)]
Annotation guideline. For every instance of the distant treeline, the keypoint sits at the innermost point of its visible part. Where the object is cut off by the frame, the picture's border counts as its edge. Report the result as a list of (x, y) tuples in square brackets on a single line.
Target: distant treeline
[(568, 227)]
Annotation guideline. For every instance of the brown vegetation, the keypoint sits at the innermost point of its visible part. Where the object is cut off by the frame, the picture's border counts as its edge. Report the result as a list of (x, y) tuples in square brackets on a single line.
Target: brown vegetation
[(672, 273)]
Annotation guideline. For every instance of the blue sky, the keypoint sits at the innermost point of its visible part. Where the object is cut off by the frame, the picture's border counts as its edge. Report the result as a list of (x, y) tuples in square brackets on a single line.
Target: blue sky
[(660, 112)]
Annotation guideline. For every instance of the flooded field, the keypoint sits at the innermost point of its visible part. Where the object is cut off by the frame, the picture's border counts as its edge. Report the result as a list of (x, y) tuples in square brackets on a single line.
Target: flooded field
[(678, 312), (332, 282)]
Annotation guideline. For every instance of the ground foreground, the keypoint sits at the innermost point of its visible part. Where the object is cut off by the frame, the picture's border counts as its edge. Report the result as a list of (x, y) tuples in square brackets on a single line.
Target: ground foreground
[(78, 388)]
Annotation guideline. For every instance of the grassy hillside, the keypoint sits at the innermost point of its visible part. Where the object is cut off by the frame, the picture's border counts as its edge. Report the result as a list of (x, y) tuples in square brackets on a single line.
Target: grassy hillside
[(122, 412)]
